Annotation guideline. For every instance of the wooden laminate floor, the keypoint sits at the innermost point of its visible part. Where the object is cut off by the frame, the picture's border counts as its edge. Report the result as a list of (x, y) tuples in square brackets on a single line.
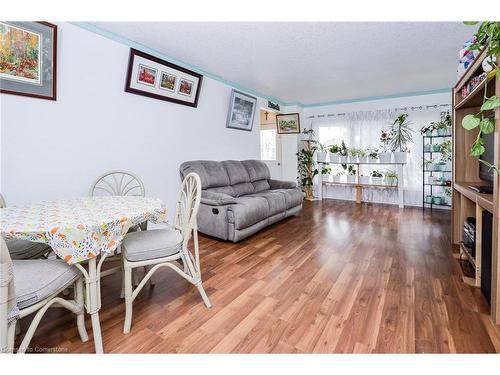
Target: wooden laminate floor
[(339, 277)]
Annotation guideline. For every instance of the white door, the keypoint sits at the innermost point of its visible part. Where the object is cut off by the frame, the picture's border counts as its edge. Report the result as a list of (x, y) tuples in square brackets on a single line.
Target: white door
[(270, 144)]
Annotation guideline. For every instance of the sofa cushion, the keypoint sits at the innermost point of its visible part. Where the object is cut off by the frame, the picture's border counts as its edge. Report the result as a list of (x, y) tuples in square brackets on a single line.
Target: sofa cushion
[(248, 211), (257, 170), (293, 197), (260, 185), (151, 244), (236, 172), (212, 173), (228, 190), (37, 279), (216, 199), (275, 200), (243, 189)]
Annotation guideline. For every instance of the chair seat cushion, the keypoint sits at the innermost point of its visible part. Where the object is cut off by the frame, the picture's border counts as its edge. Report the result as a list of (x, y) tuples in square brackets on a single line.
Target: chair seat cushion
[(20, 249), (151, 244), (38, 279)]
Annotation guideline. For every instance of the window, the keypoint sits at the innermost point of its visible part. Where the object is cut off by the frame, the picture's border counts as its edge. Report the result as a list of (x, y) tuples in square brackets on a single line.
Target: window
[(268, 144)]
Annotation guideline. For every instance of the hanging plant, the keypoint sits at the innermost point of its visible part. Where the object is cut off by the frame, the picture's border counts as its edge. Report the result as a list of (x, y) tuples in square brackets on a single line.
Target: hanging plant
[(488, 35)]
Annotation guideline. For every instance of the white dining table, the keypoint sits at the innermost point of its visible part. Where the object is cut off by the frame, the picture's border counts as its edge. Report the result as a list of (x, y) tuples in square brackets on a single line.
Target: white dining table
[(83, 232)]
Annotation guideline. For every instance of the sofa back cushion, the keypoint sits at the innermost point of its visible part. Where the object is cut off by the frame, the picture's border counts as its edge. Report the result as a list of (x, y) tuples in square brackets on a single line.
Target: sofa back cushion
[(232, 177), (212, 173), (259, 174)]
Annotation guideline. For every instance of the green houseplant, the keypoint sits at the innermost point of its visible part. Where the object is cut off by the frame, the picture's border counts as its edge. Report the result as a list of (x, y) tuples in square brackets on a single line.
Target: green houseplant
[(401, 134), (306, 168), (376, 177), (385, 156), (391, 178), (333, 153), (343, 153), (326, 170), (488, 36), (321, 153), (351, 174)]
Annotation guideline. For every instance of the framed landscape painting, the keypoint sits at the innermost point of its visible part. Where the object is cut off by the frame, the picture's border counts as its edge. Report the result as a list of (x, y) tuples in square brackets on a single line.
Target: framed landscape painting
[(28, 59), (159, 79), (288, 123), (241, 111)]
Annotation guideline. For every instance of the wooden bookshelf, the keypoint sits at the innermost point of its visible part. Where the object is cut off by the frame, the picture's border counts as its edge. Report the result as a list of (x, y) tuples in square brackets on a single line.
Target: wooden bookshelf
[(465, 201)]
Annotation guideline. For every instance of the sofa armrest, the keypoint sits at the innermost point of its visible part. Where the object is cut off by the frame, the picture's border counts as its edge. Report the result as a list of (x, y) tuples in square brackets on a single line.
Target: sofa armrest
[(277, 184), (216, 199)]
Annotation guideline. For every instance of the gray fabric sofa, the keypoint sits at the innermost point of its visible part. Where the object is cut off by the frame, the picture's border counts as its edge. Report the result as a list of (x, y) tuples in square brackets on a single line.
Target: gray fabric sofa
[(239, 198)]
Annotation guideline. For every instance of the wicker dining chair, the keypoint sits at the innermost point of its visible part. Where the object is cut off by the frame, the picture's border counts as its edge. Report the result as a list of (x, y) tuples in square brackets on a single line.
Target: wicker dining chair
[(166, 247), (32, 286), (21, 249), (122, 183)]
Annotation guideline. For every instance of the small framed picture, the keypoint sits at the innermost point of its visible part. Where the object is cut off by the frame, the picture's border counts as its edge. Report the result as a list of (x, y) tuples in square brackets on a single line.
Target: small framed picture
[(28, 59), (186, 87), (168, 81), (159, 79), (241, 111), (288, 123)]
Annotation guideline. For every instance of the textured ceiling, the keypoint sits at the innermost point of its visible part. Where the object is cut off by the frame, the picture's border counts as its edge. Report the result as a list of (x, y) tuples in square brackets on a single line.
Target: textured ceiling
[(312, 62)]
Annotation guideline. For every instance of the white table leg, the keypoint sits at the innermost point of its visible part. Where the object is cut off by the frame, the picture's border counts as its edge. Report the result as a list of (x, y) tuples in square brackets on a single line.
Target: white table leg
[(401, 187), (93, 300)]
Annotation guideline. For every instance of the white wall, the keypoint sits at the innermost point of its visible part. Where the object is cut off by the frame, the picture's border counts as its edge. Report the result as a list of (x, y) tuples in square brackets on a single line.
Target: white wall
[(53, 150)]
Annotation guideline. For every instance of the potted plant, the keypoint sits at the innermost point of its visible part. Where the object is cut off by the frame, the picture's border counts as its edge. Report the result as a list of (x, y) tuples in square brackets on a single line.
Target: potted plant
[(372, 156), (384, 156), (436, 147), (427, 129), (391, 178), (351, 174), (376, 177), (325, 172), (306, 169), (401, 134), (336, 177), (428, 199), (321, 153), (443, 127), (364, 179), (353, 155), (441, 165), (362, 156), (343, 153), (437, 200), (333, 153), (428, 165), (446, 153), (428, 147)]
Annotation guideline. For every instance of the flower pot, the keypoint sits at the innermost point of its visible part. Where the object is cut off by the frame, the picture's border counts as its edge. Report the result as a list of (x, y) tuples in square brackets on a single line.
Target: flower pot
[(352, 159), (391, 181), (437, 200), (373, 160), (363, 159), (309, 193), (336, 178), (376, 180), (364, 179), (385, 157), (334, 157), (428, 147), (436, 147), (428, 133), (343, 159), (442, 131), (428, 199), (351, 178), (400, 157), (440, 166), (321, 156)]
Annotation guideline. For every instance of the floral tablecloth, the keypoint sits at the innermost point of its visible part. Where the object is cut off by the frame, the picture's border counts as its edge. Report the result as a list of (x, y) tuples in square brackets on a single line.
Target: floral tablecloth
[(80, 229)]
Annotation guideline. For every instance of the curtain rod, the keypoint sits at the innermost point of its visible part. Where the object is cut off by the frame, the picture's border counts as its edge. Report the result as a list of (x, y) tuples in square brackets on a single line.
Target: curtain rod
[(412, 108)]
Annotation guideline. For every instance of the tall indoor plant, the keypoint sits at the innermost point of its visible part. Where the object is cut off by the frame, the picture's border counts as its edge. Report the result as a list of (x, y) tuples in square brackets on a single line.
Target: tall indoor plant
[(401, 134), (307, 168)]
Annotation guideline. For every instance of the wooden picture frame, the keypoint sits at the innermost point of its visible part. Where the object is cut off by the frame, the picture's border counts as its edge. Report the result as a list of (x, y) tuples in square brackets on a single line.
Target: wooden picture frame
[(241, 111), (153, 77), (41, 82), (288, 123)]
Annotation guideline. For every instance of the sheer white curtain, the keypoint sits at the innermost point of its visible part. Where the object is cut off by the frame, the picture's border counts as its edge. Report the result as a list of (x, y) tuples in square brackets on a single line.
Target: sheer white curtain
[(361, 130)]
